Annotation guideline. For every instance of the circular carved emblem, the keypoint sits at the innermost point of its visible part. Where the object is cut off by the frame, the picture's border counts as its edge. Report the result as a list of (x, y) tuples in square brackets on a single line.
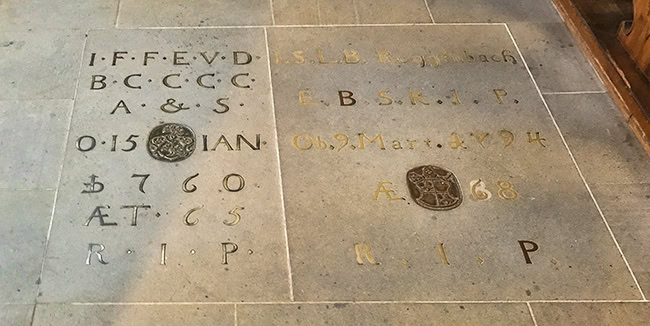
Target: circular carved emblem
[(171, 142), (434, 188)]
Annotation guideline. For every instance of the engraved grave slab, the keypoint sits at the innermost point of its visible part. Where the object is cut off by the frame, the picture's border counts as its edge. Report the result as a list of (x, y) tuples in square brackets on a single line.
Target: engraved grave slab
[(492, 208), (170, 188)]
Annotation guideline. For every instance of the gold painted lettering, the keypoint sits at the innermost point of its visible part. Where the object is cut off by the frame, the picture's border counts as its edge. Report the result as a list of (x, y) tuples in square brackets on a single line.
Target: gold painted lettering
[(507, 191), (500, 93), (536, 139), (479, 191), (321, 58), (296, 142), (456, 142), (362, 137), (456, 99), (351, 56), (384, 95), (362, 251), (480, 137), (381, 189), (443, 255), (385, 57), (508, 137), (416, 96), (304, 97), (299, 56)]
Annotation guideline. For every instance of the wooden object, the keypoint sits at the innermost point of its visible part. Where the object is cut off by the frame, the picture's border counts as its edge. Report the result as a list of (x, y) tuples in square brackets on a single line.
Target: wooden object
[(628, 86), (636, 38)]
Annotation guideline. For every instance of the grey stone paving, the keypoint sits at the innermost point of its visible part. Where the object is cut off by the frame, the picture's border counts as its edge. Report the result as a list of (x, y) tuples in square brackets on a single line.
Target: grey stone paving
[(233, 163)]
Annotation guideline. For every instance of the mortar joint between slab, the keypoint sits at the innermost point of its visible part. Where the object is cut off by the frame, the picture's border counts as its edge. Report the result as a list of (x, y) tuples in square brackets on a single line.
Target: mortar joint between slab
[(277, 140), (58, 188), (426, 4), (532, 314)]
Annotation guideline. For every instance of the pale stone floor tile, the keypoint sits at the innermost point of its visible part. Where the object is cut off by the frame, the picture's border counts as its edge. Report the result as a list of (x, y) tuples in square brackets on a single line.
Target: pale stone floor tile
[(19, 15), (604, 147), (323, 12), (384, 314), (39, 64), (16, 315), (627, 209), (137, 13), (592, 314), (25, 217), (134, 315), (495, 11), (356, 108), (554, 58), (34, 140), (336, 189), (230, 203)]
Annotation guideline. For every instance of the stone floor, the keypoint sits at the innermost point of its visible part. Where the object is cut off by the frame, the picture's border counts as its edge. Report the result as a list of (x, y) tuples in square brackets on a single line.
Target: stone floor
[(314, 162)]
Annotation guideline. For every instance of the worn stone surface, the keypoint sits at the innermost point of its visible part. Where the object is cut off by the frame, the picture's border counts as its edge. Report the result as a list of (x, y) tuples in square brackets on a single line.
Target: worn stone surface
[(136, 13), (17, 15), (419, 165), (627, 209), (383, 314), (16, 315), (326, 12), (358, 199), (494, 11), (604, 147), (26, 218), (81, 315), (38, 164), (108, 168), (554, 58), (39, 64), (596, 314)]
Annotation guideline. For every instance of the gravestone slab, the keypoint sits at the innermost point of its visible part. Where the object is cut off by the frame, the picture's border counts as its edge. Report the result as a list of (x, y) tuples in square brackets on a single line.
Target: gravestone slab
[(419, 163), (170, 188)]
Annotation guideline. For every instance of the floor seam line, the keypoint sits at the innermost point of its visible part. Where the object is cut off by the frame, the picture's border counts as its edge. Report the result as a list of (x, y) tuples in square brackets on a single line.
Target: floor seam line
[(235, 314), (305, 26), (117, 15), (574, 92), (277, 151), (532, 314), (58, 187), (426, 4), (343, 301), (272, 12), (575, 163)]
